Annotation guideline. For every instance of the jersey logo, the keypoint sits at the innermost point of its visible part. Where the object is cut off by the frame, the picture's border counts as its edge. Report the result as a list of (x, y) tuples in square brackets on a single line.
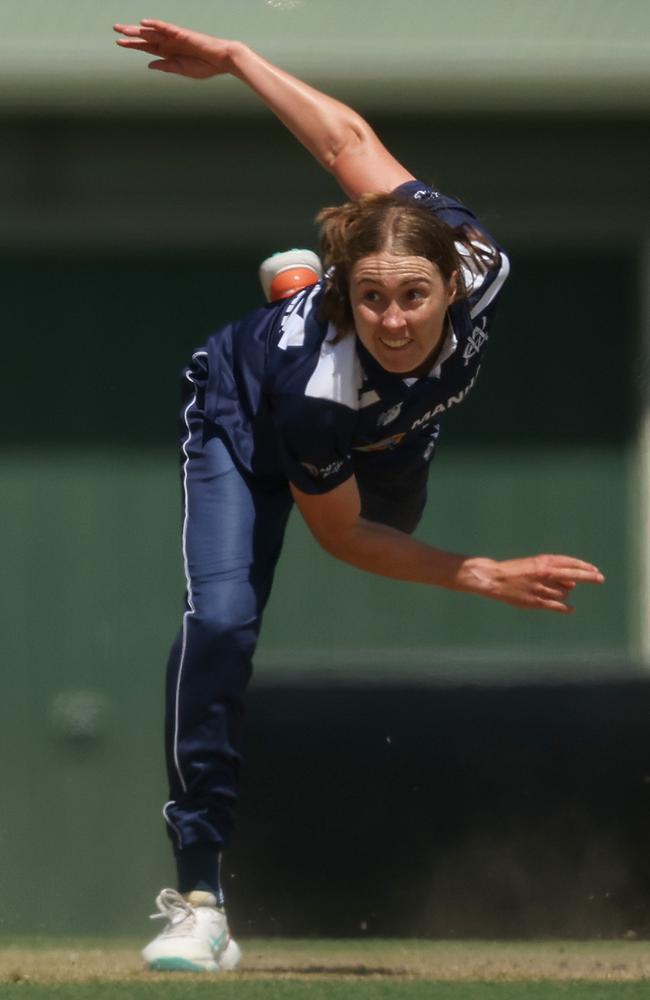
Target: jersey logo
[(328, 470), (384, 445), (475, 341), (426, 194), (431, 415), (390, 415)]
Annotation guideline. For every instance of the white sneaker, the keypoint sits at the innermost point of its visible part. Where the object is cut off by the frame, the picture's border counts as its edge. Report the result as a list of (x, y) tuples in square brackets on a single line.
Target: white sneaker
[(285, 273), (196, 938), (230, 957)]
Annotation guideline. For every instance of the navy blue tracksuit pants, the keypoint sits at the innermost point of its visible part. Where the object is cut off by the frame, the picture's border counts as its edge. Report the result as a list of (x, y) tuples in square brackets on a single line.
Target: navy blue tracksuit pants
[(232, 535), (233, 530)]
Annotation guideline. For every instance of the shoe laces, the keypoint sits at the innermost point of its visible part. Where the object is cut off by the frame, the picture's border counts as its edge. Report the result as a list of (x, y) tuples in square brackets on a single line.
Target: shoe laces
[(175, 909)]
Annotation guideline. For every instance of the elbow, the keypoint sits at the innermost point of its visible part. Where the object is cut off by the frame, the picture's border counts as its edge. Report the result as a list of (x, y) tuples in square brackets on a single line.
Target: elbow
[(330, 542), (351, 138), (335, 539)]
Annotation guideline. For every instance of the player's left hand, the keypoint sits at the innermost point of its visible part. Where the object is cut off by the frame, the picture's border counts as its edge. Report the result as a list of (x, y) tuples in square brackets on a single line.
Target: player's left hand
[(178, 50)]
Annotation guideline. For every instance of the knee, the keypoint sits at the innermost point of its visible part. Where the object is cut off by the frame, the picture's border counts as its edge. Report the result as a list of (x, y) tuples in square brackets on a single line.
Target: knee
[(224, 629)]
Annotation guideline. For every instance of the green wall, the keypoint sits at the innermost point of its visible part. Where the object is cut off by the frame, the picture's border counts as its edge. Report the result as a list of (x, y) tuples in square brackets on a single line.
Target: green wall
[(120, 258)]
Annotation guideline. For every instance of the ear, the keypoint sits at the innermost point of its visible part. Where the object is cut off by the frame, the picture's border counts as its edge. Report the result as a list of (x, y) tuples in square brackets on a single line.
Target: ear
[(452, 288)]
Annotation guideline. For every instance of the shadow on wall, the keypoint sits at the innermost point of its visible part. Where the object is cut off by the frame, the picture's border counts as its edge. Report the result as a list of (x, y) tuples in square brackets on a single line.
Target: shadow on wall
[(486, 812)]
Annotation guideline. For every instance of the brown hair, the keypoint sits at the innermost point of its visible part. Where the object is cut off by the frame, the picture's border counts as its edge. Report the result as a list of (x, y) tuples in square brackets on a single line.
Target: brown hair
[(377, 222)]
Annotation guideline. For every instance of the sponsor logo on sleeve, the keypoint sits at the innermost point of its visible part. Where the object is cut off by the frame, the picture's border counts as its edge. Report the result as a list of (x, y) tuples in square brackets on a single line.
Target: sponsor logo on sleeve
[(327, 470), (426, 194)]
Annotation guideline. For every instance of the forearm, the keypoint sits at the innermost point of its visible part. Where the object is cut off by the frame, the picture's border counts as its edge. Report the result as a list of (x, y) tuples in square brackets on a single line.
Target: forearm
[(377, 548), (325, 126), (541, 582)]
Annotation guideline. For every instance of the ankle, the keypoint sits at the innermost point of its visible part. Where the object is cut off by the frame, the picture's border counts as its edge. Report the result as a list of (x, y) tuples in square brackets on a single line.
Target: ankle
[(201, 897), (198, 874)]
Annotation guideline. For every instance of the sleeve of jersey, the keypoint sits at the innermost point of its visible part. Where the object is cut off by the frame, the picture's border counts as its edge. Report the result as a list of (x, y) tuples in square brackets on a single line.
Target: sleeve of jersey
[(483, 285), (314, 438), (451, 211)]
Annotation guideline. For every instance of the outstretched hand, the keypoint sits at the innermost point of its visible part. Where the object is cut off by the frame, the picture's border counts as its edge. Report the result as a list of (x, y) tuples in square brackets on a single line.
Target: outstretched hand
[(178, 50), (537, 582)]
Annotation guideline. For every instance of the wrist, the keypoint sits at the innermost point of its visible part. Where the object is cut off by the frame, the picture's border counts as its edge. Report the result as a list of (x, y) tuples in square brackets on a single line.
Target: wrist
[(237, 55), (476, 575)]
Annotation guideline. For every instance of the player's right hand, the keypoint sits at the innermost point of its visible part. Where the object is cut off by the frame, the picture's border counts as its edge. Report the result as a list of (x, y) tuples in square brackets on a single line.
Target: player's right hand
[(541, 582), (178, 50)]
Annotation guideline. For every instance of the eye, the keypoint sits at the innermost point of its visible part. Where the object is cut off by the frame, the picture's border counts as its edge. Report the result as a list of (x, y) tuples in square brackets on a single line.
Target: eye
[(415, 294), (371, 296)]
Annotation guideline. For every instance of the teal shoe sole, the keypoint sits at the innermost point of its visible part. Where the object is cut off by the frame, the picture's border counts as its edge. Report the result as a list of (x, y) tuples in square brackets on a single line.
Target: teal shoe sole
[(171, 964)]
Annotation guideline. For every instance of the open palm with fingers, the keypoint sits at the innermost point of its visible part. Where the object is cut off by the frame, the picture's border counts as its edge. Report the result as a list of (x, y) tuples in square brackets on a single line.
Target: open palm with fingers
[(541, 582), (177, 50)]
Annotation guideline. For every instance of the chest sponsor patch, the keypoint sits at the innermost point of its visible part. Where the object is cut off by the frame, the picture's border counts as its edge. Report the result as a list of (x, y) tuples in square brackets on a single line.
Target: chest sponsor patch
[(431, 415)]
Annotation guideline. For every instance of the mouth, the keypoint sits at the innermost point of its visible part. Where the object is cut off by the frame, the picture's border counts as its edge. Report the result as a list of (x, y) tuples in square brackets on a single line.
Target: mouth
[(396, 343)]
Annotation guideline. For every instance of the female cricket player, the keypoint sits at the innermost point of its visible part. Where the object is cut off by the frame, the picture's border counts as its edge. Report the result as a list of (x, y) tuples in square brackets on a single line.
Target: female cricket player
[(330, 399)]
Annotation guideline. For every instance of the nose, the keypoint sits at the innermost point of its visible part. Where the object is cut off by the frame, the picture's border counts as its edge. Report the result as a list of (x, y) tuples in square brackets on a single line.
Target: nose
[(393, 317)]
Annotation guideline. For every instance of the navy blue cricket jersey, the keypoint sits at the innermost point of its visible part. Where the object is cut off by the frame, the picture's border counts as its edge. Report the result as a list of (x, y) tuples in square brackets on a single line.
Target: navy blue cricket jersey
[(291, 401)]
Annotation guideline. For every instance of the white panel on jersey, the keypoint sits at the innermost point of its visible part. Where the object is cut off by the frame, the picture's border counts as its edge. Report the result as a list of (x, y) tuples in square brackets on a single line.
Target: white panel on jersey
[(338, 374), (368, 398), (293, 321), (449, 346), (473, 276), (494, 288)]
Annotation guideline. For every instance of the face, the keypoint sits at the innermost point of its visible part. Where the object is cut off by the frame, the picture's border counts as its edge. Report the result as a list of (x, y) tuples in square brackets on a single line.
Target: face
[(399, 306)]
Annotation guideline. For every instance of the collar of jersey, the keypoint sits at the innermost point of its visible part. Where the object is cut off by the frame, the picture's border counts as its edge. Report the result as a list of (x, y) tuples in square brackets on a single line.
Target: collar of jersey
[(394, 381)]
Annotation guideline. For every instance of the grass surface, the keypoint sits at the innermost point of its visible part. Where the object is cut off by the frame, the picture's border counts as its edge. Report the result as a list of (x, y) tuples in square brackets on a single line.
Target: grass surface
[(338, 990), (369, 969)]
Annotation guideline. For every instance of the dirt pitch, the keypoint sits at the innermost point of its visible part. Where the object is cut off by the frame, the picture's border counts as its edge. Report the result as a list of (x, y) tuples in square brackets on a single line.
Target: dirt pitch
[(51, 962)]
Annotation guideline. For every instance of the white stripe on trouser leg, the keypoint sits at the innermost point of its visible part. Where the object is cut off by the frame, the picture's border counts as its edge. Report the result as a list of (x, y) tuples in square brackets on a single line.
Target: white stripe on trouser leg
[(171, 823), (192, 610)]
